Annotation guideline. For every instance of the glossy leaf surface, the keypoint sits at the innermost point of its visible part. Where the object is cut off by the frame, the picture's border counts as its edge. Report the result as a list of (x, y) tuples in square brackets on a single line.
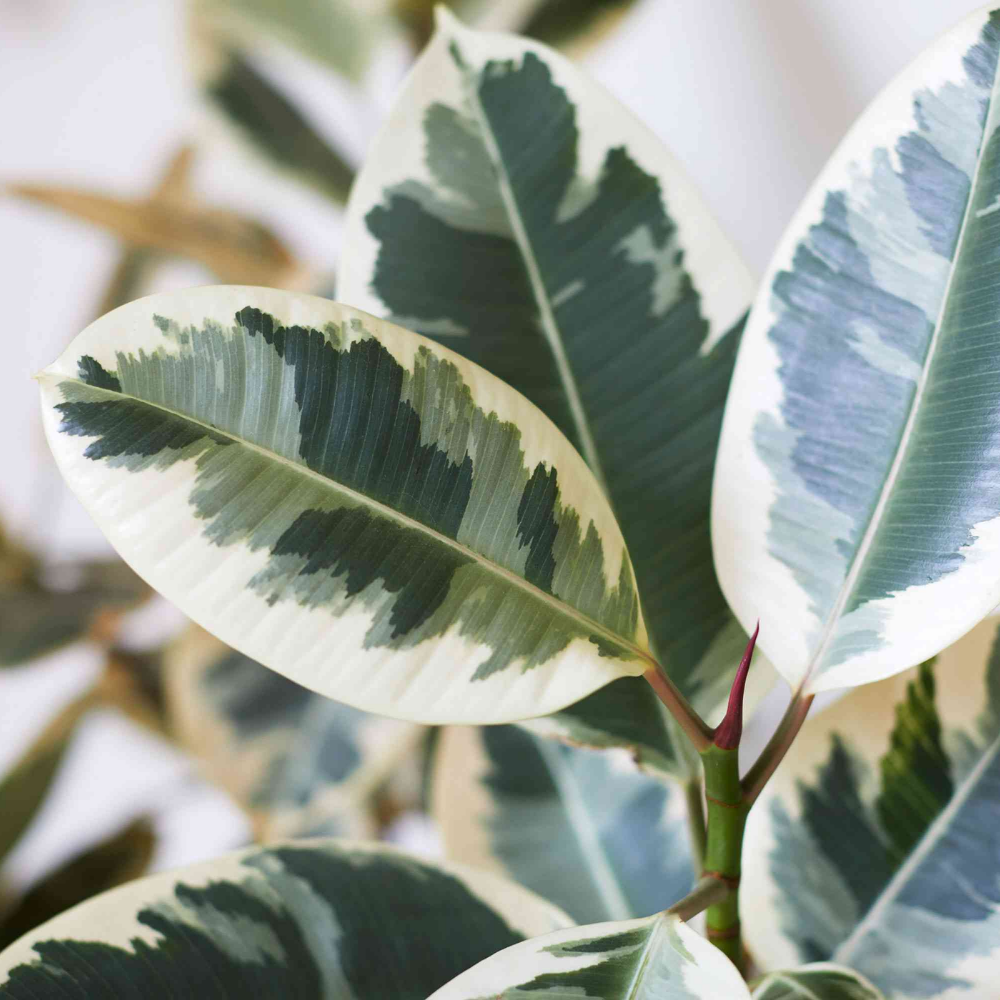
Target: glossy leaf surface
[(658, 958), (310, 920), (858, 484), (347, 503), (580, 827), (822, 981), (877, 843), (299, 763), (512, 210)]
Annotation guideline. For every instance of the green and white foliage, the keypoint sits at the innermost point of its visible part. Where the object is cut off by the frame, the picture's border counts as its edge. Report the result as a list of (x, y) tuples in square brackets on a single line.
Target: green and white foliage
[(514, 211), (877, 843), (348, 503), (582, 828), (858, 483), (318, 919), (299, 763), (659, 958), (821, 981)]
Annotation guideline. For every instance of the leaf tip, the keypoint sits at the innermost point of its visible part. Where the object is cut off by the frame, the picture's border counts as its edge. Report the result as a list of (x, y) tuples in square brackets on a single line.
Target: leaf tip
[(729, 732)]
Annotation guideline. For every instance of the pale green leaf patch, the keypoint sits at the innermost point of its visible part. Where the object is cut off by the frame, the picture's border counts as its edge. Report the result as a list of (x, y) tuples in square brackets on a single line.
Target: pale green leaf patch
[(348, 503), (857, 485)]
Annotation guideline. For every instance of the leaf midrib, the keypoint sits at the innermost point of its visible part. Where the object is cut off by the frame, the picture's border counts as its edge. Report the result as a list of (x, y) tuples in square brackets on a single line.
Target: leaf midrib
[(583, 827), (935, 832), (550, 328), (885, 494), (556, 606)]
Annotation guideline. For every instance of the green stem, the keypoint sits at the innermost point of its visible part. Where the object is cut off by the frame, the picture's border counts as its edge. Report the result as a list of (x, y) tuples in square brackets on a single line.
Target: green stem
[(727, 816), (695, 799)]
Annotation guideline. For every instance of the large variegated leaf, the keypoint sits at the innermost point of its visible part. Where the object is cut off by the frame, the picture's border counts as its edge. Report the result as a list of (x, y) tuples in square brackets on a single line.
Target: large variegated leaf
[(512, 210), (348, 503), (659, 958), (580, 827), (298, 762), (877, 842), (857, 496), (821, 981), (319, 919)]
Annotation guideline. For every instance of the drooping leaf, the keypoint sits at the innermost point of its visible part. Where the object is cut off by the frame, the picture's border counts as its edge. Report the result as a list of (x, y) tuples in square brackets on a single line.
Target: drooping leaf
[(580, 827), (513, 211), (298, 762), (659, 958), (45, 610), (326, 919), (348, 503), (25, 786), (232, 247), (273, 125), (858, 482), (822, 981), (877, 843), (122, 857)]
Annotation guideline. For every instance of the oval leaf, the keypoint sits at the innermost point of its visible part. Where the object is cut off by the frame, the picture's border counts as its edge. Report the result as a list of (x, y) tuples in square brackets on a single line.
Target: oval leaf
[(877, 843), (857, 485), (309, 920), (348, 503), (659, 957), (588, 275), (299, 763), (579, 827), (821, 981)]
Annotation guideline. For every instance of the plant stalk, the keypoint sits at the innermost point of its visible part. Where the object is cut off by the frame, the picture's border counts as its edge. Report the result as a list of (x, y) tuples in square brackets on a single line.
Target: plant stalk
[(727, 816), (707, 891), (773, 754), (695, 799), (695, 728)]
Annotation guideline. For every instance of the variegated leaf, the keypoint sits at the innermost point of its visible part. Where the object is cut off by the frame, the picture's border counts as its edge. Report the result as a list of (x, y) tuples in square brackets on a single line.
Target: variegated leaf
[(821, 981), (298, 762), (589, 276), (858, 484), (46, 609), (659, 958), (877, 843), (580, 827), (323, 919), (348, 503)]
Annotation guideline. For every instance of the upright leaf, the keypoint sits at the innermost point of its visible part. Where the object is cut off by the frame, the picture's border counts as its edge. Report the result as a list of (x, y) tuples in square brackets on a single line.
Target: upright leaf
[(658, 958), (858, 484), (579, 827), (326, 919), (299, 763), (347, 503), (877, 843), (821, 981), (512, 210)]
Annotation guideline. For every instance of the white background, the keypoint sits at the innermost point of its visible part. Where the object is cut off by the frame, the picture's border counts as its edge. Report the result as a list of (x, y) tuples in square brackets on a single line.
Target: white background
[(751, 95)]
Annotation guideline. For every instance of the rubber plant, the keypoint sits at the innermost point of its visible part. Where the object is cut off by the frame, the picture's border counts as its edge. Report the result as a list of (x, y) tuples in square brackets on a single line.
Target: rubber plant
[(565, 502)]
